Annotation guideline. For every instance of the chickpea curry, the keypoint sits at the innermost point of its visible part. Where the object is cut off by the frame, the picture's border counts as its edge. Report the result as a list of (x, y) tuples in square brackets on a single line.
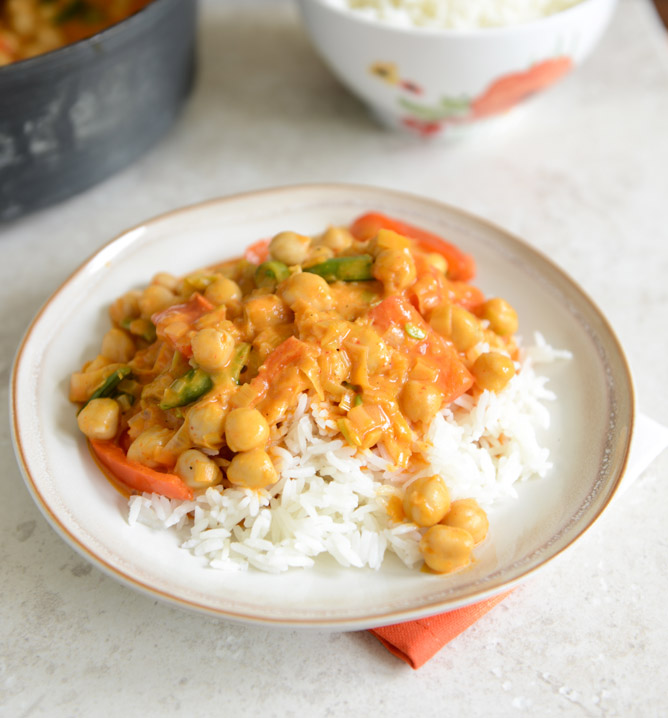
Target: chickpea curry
[(33, 27), (377, 323)]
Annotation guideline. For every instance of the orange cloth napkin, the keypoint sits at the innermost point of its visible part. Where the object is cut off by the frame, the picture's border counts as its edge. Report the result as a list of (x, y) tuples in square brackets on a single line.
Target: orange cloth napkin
[(417, 641)]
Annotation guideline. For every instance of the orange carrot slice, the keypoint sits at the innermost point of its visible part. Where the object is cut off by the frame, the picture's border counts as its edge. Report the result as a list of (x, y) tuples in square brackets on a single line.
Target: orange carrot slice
[(138, 477)]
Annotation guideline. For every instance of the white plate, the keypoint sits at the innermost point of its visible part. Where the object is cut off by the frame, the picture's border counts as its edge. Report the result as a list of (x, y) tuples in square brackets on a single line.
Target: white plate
[(589, 438)]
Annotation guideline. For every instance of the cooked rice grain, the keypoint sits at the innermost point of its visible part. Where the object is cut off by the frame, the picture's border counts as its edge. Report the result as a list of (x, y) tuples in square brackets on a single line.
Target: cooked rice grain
[(455, 14)]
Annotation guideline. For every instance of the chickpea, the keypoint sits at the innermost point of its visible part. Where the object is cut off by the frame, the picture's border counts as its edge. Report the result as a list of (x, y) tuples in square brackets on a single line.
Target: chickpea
[(154, 299), (252, 470), (125, 307), (420, 401), (307, 288), (466, 330), (388, 239), (446, 548), (439, 261), (457, 324), (246, 429), (147, 447), (426, 500), (84, 383), (198, 470), (395, 268), (212, 349), (206, 423), (289, 247), (99, 419), (222, 291), (466, 514), (493, 371), (117, 346), (337, 238), (441, 320), (165, 279), (267, 310), (23, 17), (501, 316)]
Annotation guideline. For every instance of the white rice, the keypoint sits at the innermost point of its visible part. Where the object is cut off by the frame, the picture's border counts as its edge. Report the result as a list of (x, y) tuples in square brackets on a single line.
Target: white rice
[(454, 14), (332, 500)]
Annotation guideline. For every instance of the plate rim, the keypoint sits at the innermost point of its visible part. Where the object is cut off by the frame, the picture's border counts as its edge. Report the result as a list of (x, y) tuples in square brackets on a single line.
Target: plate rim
[(356, 622)]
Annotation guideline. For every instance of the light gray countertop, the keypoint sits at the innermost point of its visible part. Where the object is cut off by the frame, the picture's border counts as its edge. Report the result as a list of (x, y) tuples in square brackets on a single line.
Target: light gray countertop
[(582, 174)]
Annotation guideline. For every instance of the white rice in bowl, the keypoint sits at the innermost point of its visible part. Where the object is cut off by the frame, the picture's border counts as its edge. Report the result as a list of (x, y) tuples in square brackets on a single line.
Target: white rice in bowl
[(332, 499), (454, 14)]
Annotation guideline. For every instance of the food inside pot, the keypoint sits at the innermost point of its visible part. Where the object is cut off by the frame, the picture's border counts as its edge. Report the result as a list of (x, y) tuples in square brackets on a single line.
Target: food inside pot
[(33, 27)]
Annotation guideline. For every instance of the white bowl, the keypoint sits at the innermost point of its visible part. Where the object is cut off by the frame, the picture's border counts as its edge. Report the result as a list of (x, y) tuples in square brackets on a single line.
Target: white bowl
[(430, 80), (589, 437)]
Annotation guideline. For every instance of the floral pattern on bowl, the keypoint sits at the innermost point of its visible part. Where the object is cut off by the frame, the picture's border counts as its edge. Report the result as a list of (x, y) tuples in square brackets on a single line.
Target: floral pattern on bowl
[(500, 96)]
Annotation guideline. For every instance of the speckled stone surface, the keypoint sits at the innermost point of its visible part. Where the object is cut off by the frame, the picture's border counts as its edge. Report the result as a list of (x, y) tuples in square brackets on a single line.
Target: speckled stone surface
[(582, 174)]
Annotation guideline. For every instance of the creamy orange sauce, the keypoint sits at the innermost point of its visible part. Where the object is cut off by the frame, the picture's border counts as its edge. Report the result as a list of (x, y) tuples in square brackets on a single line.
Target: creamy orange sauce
[(202, 373), (395, 510)]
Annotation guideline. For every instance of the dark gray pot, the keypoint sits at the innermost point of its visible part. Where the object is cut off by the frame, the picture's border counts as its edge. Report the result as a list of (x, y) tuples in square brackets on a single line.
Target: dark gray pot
[(72, 117)]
